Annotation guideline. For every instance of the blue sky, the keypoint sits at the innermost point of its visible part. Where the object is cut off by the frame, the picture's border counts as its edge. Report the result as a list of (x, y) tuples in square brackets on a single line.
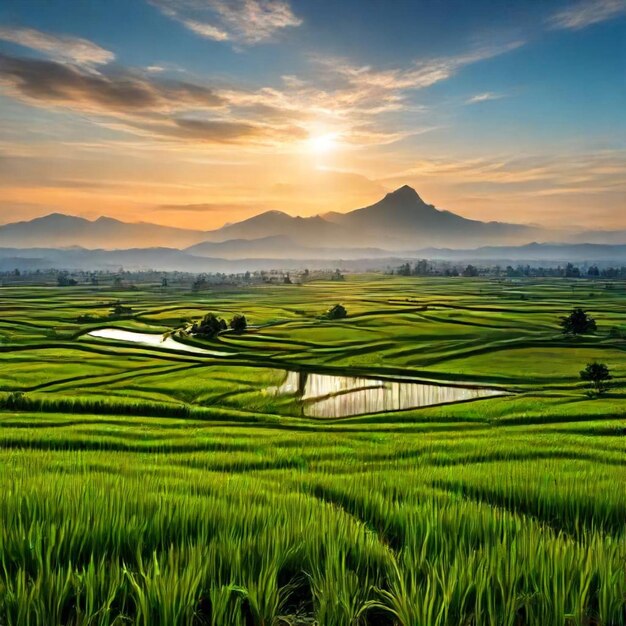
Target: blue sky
[(206, 111)]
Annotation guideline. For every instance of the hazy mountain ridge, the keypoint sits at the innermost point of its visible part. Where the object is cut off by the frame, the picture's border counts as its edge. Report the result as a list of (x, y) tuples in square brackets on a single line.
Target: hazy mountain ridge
[(57, 230), (170, 259), (398, 222)]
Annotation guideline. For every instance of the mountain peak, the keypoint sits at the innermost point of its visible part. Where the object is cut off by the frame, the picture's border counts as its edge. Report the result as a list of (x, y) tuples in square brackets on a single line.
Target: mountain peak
[(404, 193), (59, 217)]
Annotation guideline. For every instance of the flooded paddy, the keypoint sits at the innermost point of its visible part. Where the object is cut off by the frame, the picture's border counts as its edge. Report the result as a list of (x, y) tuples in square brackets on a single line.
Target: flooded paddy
[(152, 340), (327, 395), (324, 395)]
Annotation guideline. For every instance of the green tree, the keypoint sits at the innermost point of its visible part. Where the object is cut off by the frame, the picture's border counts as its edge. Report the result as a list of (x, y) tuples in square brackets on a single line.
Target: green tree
[(209, 326), (239, 323), (336, 312), (578, 322), (598, 375)]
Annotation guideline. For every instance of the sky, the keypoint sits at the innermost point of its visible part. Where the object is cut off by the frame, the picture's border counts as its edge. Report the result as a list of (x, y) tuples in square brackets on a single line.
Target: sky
[(197, 113)]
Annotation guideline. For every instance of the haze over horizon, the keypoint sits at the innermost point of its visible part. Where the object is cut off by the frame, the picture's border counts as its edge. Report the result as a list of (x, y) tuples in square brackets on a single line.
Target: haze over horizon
[(197, 113)]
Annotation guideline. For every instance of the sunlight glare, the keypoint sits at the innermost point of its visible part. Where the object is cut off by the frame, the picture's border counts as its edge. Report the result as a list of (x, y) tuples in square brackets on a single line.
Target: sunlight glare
[(321, 144)]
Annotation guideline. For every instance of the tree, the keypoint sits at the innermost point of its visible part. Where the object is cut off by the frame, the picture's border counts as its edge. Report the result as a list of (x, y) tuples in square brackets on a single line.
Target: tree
[(336, 312), (422, 268), (577, 323), (118, 310), (209, 326), (470, 271), (239, 323), (337, 275), (65, 280), (404, 270), (598, 375)]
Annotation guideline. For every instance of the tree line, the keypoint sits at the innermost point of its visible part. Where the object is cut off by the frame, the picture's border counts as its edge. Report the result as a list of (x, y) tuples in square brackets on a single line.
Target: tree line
[(424, 267)]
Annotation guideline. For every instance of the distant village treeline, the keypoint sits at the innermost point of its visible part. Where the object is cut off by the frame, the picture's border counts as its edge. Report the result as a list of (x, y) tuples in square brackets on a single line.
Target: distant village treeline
[(127, 279), (569, 270)]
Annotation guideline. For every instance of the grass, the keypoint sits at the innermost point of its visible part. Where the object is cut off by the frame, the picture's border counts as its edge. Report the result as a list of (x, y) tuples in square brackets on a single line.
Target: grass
[(145, 487)]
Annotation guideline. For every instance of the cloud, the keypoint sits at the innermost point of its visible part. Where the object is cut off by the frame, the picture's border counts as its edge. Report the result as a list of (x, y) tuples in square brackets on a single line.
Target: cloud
[(206, 207), (536, 174), (420, 74), (484, 97), (540, 188), (214, 130), (60, 47), (48, 83), (52, 83), (586, 13), (141, 104), (244, 22), (356, 103)]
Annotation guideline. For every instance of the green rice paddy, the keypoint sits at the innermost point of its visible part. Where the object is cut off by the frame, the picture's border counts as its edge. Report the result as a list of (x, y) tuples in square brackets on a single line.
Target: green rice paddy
[(141, 486)]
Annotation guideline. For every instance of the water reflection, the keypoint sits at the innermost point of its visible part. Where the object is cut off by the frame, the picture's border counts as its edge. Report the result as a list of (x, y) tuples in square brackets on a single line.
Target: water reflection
[(150, 339), (323, 395)]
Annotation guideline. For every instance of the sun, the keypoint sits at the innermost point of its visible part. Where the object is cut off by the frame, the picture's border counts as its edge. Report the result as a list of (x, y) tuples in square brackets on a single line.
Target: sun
[(321, 144)]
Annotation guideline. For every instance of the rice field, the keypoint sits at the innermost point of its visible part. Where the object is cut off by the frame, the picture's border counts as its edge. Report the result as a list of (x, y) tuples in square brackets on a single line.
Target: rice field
[(145, 486)]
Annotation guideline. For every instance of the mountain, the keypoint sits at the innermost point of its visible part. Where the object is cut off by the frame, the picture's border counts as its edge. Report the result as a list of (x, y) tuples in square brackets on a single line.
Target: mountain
[(308, 231), (401, 221), (599, 236), (238, 248), (534, 253), (170, 259), (57, 230), (404, 218), (279, 246)]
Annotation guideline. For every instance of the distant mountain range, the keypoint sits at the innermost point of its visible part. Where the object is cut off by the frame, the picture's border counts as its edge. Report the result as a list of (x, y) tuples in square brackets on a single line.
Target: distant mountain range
[(401, 225), (170, 259), (57, 231)]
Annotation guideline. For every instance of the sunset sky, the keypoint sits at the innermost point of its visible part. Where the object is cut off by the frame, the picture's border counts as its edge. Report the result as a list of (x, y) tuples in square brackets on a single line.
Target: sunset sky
[(199, 112)]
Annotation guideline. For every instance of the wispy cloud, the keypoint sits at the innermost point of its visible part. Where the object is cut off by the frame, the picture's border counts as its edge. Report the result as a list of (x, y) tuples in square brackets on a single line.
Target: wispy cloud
[(419, 74), (49, 82), (204, 207), (129, 101), (244, 22), (586, 13), (540, 188), (484, 97), (545, 174), (356, 103), (61, 47)]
